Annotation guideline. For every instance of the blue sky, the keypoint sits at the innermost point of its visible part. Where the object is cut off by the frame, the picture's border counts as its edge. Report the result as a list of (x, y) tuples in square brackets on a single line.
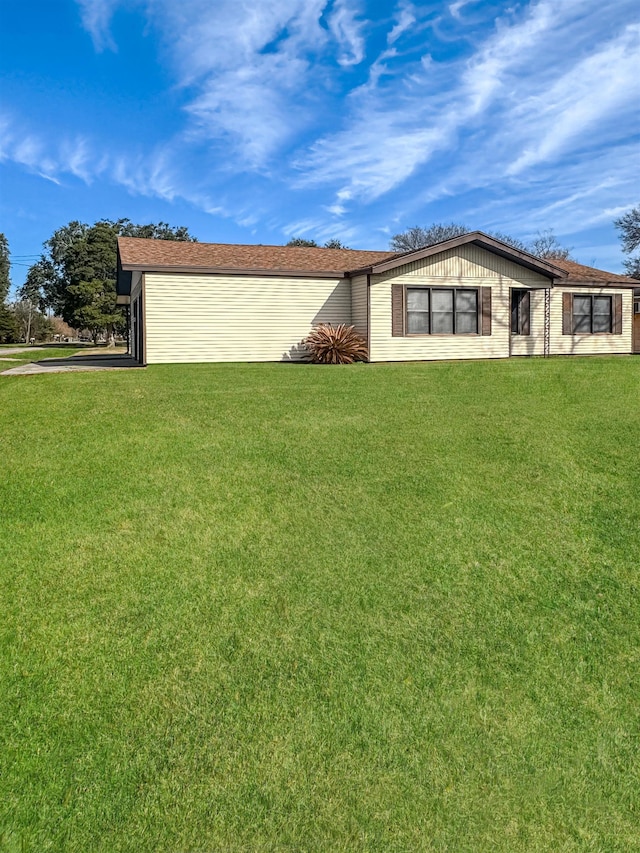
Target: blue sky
[(251, 121)]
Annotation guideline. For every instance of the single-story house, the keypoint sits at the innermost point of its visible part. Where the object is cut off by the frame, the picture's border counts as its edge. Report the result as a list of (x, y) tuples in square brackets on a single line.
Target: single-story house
[(469, 297)]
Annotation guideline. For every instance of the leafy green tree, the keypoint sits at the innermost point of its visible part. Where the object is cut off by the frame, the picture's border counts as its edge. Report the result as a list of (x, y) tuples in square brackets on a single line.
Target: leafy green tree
[(41, 286), (9, 332), (76, 275), (629, 228), (5, 269), (301, 242), (31, 323), (160, 231), (92, 306)]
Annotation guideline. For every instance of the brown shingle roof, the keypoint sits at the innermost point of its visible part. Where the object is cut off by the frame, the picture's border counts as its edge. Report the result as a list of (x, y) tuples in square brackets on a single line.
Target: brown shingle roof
[(579, 273), (137, 253), (173, 255)]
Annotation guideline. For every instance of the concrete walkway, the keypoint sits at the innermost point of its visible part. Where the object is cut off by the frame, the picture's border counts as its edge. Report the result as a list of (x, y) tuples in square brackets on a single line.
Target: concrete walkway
[(12, 350), (73, 364)]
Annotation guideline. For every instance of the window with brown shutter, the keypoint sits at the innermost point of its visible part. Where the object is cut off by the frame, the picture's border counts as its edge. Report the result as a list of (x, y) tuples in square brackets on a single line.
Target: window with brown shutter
[(438, 310), (591, 314)]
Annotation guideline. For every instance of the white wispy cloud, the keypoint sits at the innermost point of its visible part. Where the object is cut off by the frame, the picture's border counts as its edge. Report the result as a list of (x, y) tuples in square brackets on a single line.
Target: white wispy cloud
[(406, 19), (96, 18), (244, 64), (347, 29), (594, 90), (529, 107), (518, 109)]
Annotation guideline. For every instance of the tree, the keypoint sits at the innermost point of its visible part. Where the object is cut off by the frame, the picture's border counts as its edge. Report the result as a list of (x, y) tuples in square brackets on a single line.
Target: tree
[(545, 245), (161, 231), (31, 323), (9, 332), (334, 243), (300, 242), (511, 241), (76, 275), (5, 269), (420, 238), (629, 228), (42, 285)]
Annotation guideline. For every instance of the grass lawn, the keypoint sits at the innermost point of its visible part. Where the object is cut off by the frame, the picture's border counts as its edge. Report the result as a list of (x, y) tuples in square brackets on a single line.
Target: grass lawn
[(276, 607), (13, 359)]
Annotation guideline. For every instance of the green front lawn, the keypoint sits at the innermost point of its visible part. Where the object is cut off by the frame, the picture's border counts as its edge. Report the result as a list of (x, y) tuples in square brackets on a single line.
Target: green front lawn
[(13, 359), (279, 607)]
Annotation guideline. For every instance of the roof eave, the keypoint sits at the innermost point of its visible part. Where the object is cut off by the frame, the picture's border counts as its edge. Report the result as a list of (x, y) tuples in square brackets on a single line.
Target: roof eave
[(199, 270), (571, 282)]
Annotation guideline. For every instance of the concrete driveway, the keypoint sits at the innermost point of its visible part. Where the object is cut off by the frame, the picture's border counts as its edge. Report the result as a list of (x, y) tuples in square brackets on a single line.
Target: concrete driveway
[(74, 363)]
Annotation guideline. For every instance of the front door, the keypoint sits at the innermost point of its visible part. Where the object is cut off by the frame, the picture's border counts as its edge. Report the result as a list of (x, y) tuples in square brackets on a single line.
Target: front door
[(636, 325)]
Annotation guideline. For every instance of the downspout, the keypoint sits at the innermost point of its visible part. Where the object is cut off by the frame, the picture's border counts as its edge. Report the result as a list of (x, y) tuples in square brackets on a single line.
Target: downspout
[(143, 319), (369, 317)]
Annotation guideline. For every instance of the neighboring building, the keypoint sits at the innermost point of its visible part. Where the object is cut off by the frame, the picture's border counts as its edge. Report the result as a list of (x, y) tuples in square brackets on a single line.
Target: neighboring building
[(470, 297)]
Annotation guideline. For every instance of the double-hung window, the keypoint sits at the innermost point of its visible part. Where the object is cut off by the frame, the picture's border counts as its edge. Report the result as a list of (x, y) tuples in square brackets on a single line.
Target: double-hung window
[(441, 311), (592, 315)]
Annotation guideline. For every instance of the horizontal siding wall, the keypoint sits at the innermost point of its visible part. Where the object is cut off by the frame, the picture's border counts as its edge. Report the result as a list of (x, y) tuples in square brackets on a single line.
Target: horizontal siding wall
[(591, 344), (466, 266), (359, 304), (192, 318), (466, 263)]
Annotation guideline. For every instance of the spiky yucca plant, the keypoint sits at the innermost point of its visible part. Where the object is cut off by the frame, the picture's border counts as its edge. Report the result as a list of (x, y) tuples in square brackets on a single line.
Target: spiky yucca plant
[(329, 344)]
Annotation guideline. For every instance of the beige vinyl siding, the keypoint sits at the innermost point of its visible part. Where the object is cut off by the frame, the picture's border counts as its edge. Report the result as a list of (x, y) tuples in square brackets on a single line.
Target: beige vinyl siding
[(590, 344), (198, 318), (465, 266), (359, 304), (466, 262)]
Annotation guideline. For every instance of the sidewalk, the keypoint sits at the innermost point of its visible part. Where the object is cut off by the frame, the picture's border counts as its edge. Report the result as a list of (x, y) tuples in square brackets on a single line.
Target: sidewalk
[(74, 363)]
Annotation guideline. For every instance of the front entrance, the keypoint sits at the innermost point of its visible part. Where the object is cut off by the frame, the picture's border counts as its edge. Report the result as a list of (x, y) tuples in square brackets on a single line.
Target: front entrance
[(636, 325)]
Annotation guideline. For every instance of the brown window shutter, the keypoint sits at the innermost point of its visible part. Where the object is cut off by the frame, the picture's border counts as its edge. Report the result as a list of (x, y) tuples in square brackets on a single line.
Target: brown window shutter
[(617, 314), (567, 299), (397, 310), (525, 313), (485, 295)]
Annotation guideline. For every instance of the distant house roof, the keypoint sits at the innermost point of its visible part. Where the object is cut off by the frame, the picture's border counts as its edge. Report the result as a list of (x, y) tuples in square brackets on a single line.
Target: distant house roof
[(179, 256)]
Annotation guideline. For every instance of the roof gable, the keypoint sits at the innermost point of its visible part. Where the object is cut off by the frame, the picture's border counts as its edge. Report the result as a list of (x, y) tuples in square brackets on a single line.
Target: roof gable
[(468, 261), (477, 238)]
